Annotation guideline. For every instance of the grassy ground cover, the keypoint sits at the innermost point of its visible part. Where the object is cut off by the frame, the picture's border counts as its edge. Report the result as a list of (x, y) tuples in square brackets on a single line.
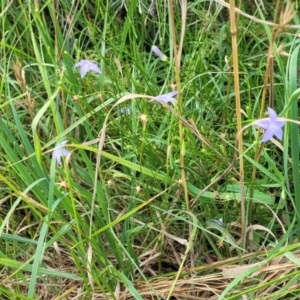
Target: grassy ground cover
[(137, 172)]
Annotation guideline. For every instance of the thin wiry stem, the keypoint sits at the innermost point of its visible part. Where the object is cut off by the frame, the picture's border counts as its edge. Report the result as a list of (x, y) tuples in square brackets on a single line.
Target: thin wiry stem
[(177, 55)]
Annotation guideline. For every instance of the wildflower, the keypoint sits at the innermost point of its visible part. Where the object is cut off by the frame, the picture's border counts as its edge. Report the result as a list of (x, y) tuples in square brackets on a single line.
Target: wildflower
[(158, 53), (165, 98), (220, 222), (271, 125), (59, 151), (86, 65), (125, 110)]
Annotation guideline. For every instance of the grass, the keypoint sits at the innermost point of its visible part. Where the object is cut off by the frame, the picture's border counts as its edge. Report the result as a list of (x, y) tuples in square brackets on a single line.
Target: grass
[(154, 201)]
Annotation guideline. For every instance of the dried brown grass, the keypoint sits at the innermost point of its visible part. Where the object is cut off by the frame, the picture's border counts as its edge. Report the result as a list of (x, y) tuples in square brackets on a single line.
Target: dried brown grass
[(204, 282)]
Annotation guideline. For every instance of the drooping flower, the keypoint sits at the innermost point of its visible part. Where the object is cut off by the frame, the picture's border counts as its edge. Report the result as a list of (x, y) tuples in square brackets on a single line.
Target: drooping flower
[(271, 125), (165, 98), (158, 53), (59, 152), (86, 65)]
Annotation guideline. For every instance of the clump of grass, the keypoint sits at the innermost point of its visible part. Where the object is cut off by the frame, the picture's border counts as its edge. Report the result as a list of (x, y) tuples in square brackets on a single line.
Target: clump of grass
[(128, 173)]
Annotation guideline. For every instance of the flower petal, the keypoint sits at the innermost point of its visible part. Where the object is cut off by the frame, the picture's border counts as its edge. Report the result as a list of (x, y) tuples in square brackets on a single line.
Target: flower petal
[(94, 67), (59, 151), (86, 65), (172, 94), (263, 123), (272, 114), (125, 110), (280, 123), (167, 97), (83, 71), (278, 133), (77, 65), (59, 154), (61, 144), (267, 136)]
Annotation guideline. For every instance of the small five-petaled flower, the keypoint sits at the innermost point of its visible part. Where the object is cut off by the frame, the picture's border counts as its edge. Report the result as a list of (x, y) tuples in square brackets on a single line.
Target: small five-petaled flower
[(165, 98), (86, 65), (59, 152), (271, 125)]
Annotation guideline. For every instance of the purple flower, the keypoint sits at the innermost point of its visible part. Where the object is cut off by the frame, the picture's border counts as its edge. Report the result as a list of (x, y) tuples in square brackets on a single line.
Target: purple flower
[(158, 53), (165, 98), (59, 151), (271, 125), (86, 65)]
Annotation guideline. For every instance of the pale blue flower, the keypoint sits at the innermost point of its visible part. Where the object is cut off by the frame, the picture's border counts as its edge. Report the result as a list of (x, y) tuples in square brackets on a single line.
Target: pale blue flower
[(165, 98), (271, 125), (220, 222), (86, 65), (59, 151), (125, 110), (158, 53)]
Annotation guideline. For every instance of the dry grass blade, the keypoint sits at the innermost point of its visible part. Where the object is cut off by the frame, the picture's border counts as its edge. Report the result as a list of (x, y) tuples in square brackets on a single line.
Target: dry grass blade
[(235, 65), (20, 76), (235, 270), (287, 15), (203, 282), (240, 12)]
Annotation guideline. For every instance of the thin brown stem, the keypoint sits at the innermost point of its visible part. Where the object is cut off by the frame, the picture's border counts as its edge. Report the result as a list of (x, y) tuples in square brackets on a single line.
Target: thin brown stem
[(233, 29)]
